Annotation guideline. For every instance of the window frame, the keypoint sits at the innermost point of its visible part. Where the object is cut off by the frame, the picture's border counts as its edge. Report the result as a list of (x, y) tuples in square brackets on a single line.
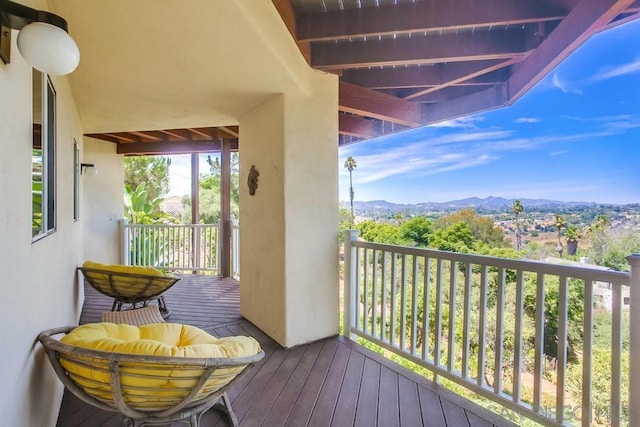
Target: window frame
[(48, 156)]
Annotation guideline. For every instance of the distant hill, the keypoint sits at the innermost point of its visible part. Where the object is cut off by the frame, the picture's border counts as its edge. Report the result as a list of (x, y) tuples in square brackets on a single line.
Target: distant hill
[(488, 204)]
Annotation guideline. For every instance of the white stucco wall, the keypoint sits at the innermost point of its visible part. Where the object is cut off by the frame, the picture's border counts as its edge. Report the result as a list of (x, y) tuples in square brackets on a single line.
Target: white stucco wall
[(102, 201), (289, 228), (39, 286)]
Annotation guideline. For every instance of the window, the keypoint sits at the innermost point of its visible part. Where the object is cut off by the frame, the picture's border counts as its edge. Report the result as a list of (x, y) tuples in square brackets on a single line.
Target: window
[(43, 157), (76, 181)]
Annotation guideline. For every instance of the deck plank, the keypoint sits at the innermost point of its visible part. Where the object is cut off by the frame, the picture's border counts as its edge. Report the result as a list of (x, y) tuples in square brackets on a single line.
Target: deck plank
[(410, 413), (304, 404), (345, 412), (367, 407), (388, 409), (333, 381), (284, 403)]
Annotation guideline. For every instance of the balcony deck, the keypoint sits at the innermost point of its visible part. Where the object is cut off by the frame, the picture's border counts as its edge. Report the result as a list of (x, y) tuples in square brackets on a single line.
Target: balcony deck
[(328, 382)]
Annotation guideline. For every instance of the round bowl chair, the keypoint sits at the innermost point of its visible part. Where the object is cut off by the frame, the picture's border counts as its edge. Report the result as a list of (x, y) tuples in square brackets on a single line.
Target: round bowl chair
[(145, 388), (128, 284)]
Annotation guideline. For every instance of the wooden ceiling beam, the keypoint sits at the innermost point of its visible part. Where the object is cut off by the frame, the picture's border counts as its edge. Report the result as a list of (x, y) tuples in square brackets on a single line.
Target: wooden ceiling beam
[(504, 44), (417, 76), (581, 23), (165, 147), (180, 134), (423, 16), (103, 137), (453, 82), (356, 126), (447, 94), (370, 103), (477, 102)]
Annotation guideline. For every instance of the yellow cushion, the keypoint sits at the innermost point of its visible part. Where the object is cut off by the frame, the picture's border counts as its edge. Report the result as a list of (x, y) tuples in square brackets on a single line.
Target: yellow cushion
[(122, 285), (146, 384), (128, 269)]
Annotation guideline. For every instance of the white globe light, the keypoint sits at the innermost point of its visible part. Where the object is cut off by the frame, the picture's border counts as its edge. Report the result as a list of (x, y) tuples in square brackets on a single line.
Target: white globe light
[(48, 48)]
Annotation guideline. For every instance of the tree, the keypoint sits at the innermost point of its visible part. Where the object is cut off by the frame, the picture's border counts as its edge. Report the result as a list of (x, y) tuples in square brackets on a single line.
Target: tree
[(417, 230), (152, 170), (560, 223), (482, 228), (351, 164), (572, 235), (517, 209)]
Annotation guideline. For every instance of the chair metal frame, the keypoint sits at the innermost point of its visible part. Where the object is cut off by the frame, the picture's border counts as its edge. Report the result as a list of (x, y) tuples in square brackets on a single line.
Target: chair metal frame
[(189, 409)]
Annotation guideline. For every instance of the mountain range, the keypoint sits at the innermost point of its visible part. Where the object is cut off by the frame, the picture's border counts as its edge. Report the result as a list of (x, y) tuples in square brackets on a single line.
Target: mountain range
[(487, 204)]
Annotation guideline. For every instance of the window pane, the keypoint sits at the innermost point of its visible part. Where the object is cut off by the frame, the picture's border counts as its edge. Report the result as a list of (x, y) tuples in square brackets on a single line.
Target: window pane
[(76, 181), (51, 157), (37, 158)]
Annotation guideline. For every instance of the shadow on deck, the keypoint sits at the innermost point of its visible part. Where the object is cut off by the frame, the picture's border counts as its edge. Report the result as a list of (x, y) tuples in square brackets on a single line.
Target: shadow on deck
[(328, 382)]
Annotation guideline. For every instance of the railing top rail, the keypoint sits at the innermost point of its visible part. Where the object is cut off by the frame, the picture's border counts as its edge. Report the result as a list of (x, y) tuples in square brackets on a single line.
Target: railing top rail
[(585, 273), (170, 225)]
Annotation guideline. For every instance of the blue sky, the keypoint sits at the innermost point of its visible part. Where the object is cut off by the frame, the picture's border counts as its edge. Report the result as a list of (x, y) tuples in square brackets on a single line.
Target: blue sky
[(574, 137)]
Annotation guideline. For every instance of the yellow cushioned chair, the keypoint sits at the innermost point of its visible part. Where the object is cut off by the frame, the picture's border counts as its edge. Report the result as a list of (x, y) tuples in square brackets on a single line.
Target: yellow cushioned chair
[(128, 284), (157, 373)]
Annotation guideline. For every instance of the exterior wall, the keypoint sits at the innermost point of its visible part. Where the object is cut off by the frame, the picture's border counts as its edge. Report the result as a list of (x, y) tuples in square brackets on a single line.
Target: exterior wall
[(289, 228), (39, 285), (102, 205)]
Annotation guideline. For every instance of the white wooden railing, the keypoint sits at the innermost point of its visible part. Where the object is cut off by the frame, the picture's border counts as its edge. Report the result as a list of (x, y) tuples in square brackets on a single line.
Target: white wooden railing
[(480, 322), (176, 247)]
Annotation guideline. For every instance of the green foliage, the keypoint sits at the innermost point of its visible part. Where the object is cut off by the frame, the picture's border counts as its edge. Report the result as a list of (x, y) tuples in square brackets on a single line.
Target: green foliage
[(344, 222), (455, 238), (610, 248), (482, 228), (152, 170), (381, 233), (209, 192), (572, 234), (417, 230), (139, 208)]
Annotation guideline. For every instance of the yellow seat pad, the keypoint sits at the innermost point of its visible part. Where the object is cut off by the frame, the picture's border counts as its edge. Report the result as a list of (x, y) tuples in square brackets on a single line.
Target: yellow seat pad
[(124, 283), (148, 384)]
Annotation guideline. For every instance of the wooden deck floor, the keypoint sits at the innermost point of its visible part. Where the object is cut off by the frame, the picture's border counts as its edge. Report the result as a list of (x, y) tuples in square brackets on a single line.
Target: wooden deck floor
[(331, 382)]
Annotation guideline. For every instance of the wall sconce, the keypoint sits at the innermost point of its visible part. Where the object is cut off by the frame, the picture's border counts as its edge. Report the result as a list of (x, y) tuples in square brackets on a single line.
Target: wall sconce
[(89, 169), (43, 39)]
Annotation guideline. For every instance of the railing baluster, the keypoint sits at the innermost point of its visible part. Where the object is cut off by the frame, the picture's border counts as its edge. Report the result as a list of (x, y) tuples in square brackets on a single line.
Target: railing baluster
[(517, 351), (403, 304), (383, 303), (426, 308), (539, 344), (587, 354), (394, 288), (453, 282), (482, 326), (438, 337), (616, 356), (374, 296), (365, 297), (356, 303), (468, 281), (563, 328), (497, 370), (414, 306)]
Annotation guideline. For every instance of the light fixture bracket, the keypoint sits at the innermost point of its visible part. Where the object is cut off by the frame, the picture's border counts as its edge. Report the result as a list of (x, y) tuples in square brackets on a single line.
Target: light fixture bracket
[(15, 16), (85, 166)]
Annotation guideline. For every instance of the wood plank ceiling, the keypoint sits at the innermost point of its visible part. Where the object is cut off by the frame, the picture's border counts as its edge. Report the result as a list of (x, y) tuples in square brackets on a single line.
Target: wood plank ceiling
[(410, 63)]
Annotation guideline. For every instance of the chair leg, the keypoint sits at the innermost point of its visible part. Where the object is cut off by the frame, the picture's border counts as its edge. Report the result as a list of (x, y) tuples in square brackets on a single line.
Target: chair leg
[(162, 306), (224, 405)]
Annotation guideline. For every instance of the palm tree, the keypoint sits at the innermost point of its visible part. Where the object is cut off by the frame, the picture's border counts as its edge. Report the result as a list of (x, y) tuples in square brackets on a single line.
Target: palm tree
[(560, 223), (572, 235), (351, 164), (517, 209)]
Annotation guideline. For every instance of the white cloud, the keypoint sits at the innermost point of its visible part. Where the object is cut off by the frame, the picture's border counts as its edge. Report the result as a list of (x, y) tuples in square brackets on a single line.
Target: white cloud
[(558, 153), (461, 122), (563, 85), (616, 71), (527, 120)]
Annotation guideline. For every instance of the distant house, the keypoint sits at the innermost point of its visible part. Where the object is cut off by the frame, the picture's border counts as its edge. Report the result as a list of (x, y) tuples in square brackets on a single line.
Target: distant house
[(173, 206), (602, 292)]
